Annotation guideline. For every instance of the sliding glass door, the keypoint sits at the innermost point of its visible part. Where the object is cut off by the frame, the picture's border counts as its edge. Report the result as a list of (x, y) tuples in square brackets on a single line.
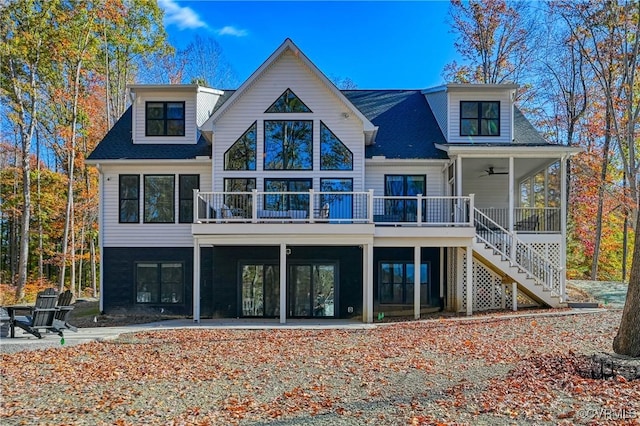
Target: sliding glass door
[(312, 290)]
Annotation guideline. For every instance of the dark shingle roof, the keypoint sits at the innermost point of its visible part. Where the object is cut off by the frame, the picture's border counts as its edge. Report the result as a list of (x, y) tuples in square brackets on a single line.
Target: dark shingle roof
[(406, 125), (524, 132), (118, 145), (407, 129)]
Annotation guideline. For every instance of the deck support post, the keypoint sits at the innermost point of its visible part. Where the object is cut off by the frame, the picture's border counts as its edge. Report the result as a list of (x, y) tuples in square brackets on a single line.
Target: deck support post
[(469, 283), (514, 296), (367, 283), (416, 282), (283, 283), (196, 280)]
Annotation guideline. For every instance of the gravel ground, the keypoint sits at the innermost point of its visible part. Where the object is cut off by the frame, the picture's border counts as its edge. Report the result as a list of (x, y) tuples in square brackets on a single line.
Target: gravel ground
[(494, 371)]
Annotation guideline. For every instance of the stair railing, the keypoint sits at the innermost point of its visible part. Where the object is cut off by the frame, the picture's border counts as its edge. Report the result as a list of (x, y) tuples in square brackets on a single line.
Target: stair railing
[(493, 235), (520, 254)]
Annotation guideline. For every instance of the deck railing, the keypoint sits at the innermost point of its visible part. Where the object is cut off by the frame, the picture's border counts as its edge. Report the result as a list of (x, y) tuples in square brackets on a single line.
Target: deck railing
[(527, 219), (331, 207), (510, 247)]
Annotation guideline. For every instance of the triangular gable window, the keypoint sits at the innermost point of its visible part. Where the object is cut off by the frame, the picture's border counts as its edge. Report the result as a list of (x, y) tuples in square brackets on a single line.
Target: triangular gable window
[(334, 155), (242, 154), (288, 102)]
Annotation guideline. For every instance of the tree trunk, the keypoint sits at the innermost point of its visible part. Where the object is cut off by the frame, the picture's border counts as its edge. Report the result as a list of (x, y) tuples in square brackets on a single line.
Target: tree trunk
[(603, 182), (627, 341)]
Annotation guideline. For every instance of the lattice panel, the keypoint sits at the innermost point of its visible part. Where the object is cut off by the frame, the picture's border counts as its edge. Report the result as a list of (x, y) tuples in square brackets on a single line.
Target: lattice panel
[(550, 250), (486, 286)]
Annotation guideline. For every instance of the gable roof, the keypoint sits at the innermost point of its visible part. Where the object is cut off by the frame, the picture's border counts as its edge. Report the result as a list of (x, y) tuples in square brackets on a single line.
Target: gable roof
[(406, 125), (285, 46), (118, 145)]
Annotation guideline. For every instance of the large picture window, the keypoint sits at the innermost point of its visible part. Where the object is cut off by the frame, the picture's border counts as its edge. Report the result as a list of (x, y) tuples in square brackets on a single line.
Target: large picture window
[(288, 102), (159, 198), (164, 119), (397, 283), (340, 206), (480, 118), (160, 282), (241, 204), (242, 154), (187, 183), (284, 202), (334, 155), (288, 145), (129, 198)]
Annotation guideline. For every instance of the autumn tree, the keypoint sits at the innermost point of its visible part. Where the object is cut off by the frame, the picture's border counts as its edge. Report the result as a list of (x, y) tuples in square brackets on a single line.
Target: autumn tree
[(131, 31), (27, 42), (201, 62), (492, 38)]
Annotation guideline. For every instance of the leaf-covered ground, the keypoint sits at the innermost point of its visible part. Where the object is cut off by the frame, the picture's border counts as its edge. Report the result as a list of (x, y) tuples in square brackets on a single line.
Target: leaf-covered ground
[(487, 371)]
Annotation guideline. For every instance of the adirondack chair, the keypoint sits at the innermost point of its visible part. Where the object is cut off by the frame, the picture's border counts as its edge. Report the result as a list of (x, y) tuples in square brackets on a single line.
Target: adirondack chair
[(61, 315), (42, 314)]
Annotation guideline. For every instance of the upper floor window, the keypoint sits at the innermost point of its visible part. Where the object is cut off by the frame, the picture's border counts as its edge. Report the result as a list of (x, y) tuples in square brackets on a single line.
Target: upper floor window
[(334, 155), (288, 102), (187, 183), (480, 118), (164, 119), (159, 198), (242, 154), (129, 198), (403, 209), (288, 145), (282, 201)]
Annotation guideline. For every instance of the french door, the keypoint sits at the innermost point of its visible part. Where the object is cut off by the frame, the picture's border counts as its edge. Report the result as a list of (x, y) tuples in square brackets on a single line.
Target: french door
[(312, 289), (260, 292)]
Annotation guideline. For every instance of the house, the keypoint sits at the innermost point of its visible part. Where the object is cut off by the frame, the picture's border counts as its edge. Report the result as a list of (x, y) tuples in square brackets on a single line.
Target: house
[(289, 198)]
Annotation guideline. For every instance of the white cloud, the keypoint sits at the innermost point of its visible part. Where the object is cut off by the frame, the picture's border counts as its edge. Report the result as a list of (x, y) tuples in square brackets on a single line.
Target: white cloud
[(232, 31), (182, 17)]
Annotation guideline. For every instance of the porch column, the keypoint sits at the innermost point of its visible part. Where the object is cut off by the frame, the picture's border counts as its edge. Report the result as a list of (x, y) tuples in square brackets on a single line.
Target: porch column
[(283, 283), (469, 283), (196, 280), (511, 192), (416, 282), (563, 226), (459, 176), (367, 283)]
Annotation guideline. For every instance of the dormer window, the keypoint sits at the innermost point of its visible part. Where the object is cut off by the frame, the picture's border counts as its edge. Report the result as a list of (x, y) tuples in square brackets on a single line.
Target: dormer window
[(480, 118), (164, 119)]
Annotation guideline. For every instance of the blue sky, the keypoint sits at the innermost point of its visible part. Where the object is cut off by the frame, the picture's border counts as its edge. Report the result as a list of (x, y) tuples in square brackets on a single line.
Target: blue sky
[(379, 45)]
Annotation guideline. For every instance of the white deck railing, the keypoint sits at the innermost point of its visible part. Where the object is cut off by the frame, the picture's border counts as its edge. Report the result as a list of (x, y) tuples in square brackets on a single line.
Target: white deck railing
[(527, 219), (331, 207), (523, 255)]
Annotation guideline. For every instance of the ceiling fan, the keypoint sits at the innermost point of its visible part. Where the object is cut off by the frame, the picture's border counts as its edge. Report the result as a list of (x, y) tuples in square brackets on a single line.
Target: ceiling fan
[(490, 171)]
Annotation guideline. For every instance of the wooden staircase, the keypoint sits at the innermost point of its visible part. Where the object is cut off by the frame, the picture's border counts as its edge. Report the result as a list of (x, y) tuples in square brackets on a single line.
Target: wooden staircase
[(516, 261)]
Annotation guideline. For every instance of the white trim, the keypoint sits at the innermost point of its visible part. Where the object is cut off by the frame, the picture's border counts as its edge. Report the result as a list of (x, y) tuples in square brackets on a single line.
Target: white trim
[(149, 161), (285, 46), (499, 150), (101, 233)]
